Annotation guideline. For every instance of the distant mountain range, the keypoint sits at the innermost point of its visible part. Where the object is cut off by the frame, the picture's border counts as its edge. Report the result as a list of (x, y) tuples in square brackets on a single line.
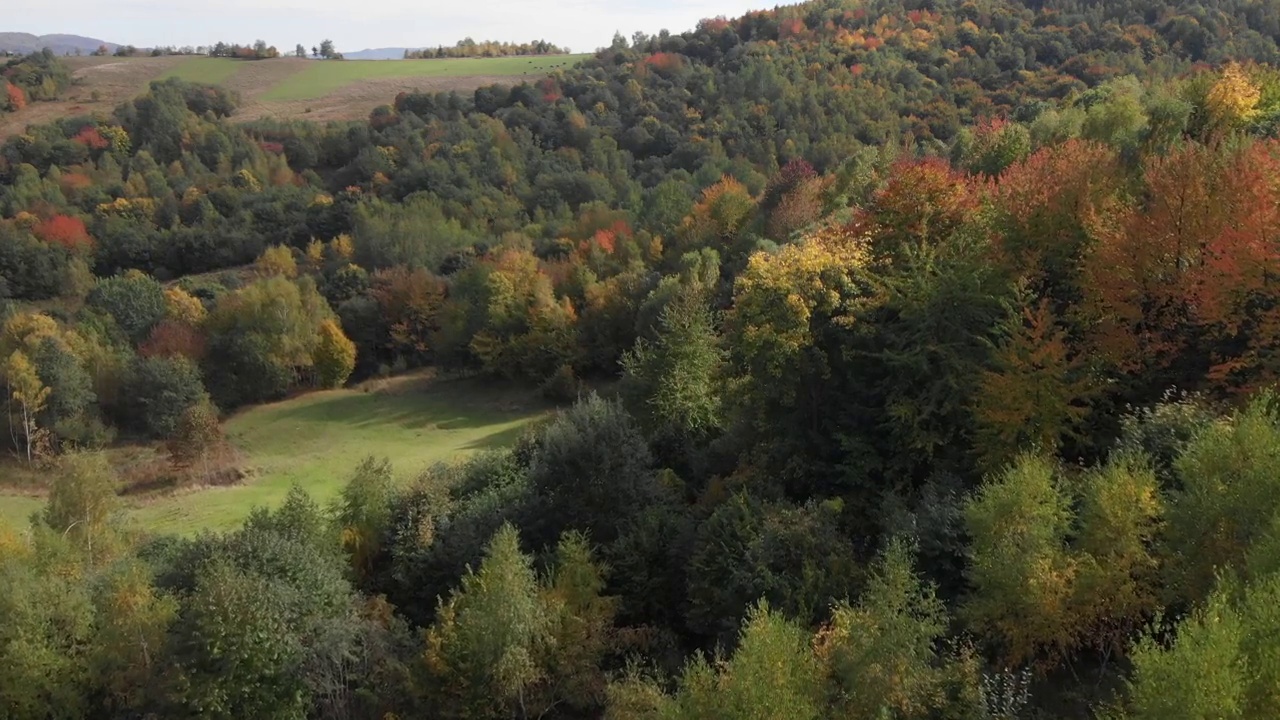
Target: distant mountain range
[(60, 44), (391, 53)]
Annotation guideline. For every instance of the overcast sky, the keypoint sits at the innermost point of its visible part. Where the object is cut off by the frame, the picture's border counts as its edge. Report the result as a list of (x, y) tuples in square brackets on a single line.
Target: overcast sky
[(583, 25)]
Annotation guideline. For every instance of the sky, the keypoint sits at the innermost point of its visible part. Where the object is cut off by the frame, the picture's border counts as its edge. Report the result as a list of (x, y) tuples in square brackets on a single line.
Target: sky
[(582, 25)]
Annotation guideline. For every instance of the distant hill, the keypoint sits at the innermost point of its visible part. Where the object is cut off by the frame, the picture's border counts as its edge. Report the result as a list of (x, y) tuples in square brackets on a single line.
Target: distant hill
[(60, 44), (391, 53)]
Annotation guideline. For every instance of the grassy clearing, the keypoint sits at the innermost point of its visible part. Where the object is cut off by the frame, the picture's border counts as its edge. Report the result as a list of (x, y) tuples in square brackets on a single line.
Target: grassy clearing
[(214, 71), (322, 78), (315, 441), (15, 510)]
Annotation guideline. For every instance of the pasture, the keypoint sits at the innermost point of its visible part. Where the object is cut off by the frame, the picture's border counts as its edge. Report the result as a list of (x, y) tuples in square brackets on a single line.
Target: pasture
[(316, 440), (286, 88)]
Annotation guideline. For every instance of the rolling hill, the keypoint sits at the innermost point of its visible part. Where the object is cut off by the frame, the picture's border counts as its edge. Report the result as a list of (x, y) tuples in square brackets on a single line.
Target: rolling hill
[(17, 42), (282, 88)]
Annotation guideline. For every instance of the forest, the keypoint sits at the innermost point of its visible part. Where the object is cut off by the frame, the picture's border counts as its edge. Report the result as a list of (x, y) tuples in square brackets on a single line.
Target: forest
[(917, 360)]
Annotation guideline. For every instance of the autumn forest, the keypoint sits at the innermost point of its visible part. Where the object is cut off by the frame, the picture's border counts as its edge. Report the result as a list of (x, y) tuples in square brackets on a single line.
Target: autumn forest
[(914, 359)]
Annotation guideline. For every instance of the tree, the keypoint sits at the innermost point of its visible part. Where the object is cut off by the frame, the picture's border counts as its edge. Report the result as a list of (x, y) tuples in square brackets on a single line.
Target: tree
[(48, 626), (363, 515), (27, 398), (326, 50), (1228, 498), (65, 231), (262, 339), (132, 622), (1019, 566), (233, 652), (300, 51), (83, 506), (156, 392), (277, 260), (483, 649), (673, 382), (1120, 515), (410, 303), (1035, 394), (582, 633), (135, 300), (334, 357), (197, 434), (1221, 664), (881, 654), (182, 307), (1232, 101), (592, 471), (71, 394), (772, 675), (14, 96)]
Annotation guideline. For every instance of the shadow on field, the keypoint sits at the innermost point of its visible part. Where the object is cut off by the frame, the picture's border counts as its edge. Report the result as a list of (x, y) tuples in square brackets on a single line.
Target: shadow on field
[(447, 406)]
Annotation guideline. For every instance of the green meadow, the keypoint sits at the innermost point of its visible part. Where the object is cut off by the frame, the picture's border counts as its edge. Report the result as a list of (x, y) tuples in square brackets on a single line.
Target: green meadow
[(315, 441)]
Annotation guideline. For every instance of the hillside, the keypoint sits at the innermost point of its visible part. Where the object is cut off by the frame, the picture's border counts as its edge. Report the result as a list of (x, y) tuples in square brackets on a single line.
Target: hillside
[(916, 360), (284, 88), (23, 43)]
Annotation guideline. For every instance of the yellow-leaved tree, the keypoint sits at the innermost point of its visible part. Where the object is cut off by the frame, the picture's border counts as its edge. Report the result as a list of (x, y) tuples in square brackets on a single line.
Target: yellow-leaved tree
[(277, 260), (334, 356), (1232, 100), (27, 398)]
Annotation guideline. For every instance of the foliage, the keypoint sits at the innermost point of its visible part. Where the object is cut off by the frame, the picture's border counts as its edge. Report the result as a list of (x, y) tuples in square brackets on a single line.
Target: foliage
[(334, 357)]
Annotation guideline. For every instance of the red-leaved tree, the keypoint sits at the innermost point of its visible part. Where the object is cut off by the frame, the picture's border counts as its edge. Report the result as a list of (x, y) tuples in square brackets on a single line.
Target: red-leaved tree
[(67, 231)]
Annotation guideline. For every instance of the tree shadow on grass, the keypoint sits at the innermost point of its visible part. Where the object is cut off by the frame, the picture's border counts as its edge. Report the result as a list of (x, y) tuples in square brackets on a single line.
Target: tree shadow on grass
[(446, 405)]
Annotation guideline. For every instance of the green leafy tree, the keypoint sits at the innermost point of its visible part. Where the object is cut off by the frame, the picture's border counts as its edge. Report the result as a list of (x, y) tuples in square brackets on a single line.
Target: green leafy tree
[(233, 651), (882, 654), (592, 471), (363, 514), (262, 339), (134, 299), (673, 382), (482, 652), (772, 675), (1020, 569), (1120, 514), (582, 633), (1228, 499), (156, 392), (131, 625), (48, 624), (83, 506), (1221, 663)]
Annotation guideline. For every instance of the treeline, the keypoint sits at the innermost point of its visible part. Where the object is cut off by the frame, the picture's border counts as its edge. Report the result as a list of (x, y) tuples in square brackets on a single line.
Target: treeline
[(468, 48), (258, 51), (34, 77)]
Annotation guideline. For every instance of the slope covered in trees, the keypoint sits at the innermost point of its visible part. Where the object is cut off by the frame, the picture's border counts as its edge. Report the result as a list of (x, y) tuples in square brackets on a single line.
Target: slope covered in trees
[(944, 335)]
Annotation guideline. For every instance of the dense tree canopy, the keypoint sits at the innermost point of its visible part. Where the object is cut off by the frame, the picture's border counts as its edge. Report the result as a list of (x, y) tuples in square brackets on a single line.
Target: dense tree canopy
[(944, 331)]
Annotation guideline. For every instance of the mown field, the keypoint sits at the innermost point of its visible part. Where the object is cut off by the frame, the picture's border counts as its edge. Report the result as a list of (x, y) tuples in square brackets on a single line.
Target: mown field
[(316, 440), (284, 87)]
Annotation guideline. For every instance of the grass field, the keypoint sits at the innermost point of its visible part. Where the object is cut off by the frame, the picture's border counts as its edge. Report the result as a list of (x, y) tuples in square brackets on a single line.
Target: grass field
[(319, 79), (215, 71), (283, 87), (316, 440), (15, 510)]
